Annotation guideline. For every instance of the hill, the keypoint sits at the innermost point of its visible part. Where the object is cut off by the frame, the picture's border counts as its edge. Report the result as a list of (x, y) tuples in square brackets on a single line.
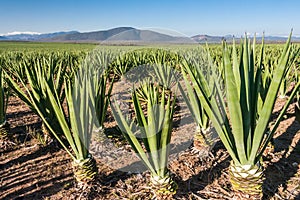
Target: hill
[(122, 35)]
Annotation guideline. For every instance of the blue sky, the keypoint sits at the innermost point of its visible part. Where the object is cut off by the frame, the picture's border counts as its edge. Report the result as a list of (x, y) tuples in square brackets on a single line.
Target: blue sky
[(188, 17)]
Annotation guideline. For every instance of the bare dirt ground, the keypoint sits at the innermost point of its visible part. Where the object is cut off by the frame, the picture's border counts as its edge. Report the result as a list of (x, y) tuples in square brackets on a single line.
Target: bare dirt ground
[(31, 170)]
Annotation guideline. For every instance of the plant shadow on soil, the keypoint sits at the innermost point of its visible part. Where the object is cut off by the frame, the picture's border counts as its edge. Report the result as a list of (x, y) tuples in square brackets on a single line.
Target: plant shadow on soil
[(28, 169), (280, 172), (211, 170), (34, 171)]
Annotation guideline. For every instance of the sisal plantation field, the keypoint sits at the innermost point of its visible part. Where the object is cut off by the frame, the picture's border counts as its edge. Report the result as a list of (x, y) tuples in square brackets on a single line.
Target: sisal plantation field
[(88, 121)]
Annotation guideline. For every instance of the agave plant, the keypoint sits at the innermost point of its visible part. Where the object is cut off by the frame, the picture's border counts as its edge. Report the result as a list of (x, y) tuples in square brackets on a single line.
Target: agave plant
[(241, 127), (102, 98), (154, 126), (38, 72), (157, 65), (78, 126), (95, 61), (4, 94), (73, 124), (80, 96), (125, 61), (165, 75), (203, 138)]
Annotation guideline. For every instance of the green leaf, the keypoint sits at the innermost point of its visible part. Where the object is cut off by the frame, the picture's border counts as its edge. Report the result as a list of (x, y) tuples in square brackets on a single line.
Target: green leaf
[(234, 108)]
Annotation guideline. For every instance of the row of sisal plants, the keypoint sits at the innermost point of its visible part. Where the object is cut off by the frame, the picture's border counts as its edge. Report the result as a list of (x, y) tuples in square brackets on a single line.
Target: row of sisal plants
[(232, 94)]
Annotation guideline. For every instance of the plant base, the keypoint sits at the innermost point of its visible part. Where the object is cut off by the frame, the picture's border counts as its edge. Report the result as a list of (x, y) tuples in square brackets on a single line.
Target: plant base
[(98, 135), (246, 178), (203, 142), (163, 186), (4, 130), (46, 134), (85, 171)]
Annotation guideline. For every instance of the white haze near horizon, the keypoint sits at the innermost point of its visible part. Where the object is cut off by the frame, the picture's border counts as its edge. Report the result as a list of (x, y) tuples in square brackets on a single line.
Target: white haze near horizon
[(20, 33)]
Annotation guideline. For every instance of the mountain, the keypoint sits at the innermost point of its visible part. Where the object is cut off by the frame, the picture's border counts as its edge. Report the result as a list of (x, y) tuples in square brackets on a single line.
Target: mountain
[(116, 35), (32, 36), (122, 35), (127, 35), (229, 38), (208, 38)]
